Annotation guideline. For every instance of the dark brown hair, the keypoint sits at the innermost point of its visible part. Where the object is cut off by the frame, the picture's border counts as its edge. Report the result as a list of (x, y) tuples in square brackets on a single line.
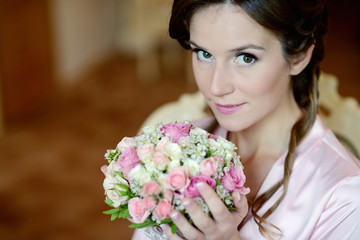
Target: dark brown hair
[(298, 24)]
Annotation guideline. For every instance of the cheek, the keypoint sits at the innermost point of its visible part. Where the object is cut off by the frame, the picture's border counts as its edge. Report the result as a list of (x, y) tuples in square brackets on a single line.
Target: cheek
[(202, 75), (269, 82)]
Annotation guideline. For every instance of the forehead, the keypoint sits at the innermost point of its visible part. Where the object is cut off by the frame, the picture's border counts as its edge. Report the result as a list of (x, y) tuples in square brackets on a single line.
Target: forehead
[(228, 24)]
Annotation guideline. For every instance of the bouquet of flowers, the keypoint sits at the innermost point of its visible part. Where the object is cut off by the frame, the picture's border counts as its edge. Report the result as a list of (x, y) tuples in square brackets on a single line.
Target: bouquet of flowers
[(148, 175)]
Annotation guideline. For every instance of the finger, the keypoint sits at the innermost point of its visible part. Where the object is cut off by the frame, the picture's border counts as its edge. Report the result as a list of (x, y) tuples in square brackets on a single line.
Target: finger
[(189, 231), (203, 222), (215, 204), (241, 204), (167, 230)]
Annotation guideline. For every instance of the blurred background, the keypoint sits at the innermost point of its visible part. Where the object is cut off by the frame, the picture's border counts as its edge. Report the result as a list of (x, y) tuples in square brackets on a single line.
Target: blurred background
[(78, 75)]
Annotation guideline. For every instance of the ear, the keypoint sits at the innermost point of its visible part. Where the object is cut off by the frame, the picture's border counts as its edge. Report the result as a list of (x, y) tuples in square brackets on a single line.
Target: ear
[(299, 62)]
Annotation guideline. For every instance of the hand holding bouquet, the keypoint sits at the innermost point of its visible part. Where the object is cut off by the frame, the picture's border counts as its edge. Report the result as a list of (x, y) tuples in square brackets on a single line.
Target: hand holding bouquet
[(148, 175)]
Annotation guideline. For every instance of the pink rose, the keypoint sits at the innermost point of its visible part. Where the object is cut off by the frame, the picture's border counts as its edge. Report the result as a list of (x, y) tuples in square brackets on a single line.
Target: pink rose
[(177, 179), (145, 151), (149, 203), (162, 210), (234, 180), (208, 167), (176, 130), (192, 191), (160, 160), (137, 210), (128, 160), (168, 195), (150, 188)]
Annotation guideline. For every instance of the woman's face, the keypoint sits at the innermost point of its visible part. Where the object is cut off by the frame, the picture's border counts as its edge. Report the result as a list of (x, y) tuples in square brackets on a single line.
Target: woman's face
[(239, 67)]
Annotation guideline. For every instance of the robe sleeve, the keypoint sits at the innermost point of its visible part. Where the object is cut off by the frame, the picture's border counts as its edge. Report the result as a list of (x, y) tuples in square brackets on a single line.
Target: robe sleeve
[(341, 216), (139, 235)]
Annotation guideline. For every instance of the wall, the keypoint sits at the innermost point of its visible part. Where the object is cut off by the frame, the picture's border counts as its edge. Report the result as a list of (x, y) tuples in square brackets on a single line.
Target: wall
[(84, 35), (1, 112)]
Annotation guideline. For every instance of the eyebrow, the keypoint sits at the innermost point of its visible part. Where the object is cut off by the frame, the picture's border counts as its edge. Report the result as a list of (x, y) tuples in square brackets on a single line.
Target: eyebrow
[(238, 49)]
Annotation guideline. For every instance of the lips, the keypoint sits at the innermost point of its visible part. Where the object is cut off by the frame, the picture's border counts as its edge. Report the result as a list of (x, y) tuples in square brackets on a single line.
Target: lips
[(229, 108)]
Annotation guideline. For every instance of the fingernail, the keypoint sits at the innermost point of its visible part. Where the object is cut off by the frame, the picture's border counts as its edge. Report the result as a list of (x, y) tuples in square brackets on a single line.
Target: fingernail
[(164, 227), (186, 203), (200, 186), (159, 229), (174, 215), (237, 196)]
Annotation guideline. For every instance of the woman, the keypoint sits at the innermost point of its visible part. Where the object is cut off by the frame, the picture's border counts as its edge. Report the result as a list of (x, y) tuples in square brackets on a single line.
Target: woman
[(257, 64)]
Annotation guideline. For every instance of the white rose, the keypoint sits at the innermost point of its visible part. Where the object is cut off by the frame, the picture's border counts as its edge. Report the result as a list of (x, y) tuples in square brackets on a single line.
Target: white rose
[(117, 200), (161, 145), (151, 168), (174, 163), (192, 167), (174, 151), (110, 182), (161, 179), (145, 152), (125, 143), (113, 167), (149, 129), (140, 174)]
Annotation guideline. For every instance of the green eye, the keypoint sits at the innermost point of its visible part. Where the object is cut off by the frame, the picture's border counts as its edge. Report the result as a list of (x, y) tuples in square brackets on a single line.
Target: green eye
[(207, 55), (245, 59), (204, 56)]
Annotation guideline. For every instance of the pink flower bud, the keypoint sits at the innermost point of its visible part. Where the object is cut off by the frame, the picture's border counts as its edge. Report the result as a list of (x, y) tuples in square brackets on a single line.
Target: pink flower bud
[(162, 210), (208, 167), (177, 179), (192, 191), (150, 188), (176, 130)]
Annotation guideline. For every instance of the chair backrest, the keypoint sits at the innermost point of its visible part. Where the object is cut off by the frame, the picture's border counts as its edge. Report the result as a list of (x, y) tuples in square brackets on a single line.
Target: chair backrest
[(340, 114)]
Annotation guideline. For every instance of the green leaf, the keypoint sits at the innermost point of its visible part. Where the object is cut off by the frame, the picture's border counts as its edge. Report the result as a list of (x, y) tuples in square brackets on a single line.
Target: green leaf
[(114, 216), (122, 189), (124, 213), (119, 192), (166, 221), (231, 208), (208, 153), (109, 202), (146, 223), (119, 174), (217, 182), (111, 211), (173, 228)]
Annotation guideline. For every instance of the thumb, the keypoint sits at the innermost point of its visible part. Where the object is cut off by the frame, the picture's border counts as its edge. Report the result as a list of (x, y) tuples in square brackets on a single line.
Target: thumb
[(241, 204)]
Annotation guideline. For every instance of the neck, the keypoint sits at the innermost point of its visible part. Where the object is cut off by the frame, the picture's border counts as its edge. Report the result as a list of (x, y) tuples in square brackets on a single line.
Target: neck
[(268, 138)]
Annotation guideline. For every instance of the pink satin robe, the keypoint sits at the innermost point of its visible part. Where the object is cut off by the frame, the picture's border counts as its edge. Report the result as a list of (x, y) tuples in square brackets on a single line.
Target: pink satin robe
[(323, 198)]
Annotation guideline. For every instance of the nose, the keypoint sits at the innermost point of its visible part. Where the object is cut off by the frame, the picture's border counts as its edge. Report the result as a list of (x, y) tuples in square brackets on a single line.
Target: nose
[(221, 81)]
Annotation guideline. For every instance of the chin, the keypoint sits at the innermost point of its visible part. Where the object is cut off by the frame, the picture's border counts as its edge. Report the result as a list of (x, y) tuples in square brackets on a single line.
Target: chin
[(232, 124)]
